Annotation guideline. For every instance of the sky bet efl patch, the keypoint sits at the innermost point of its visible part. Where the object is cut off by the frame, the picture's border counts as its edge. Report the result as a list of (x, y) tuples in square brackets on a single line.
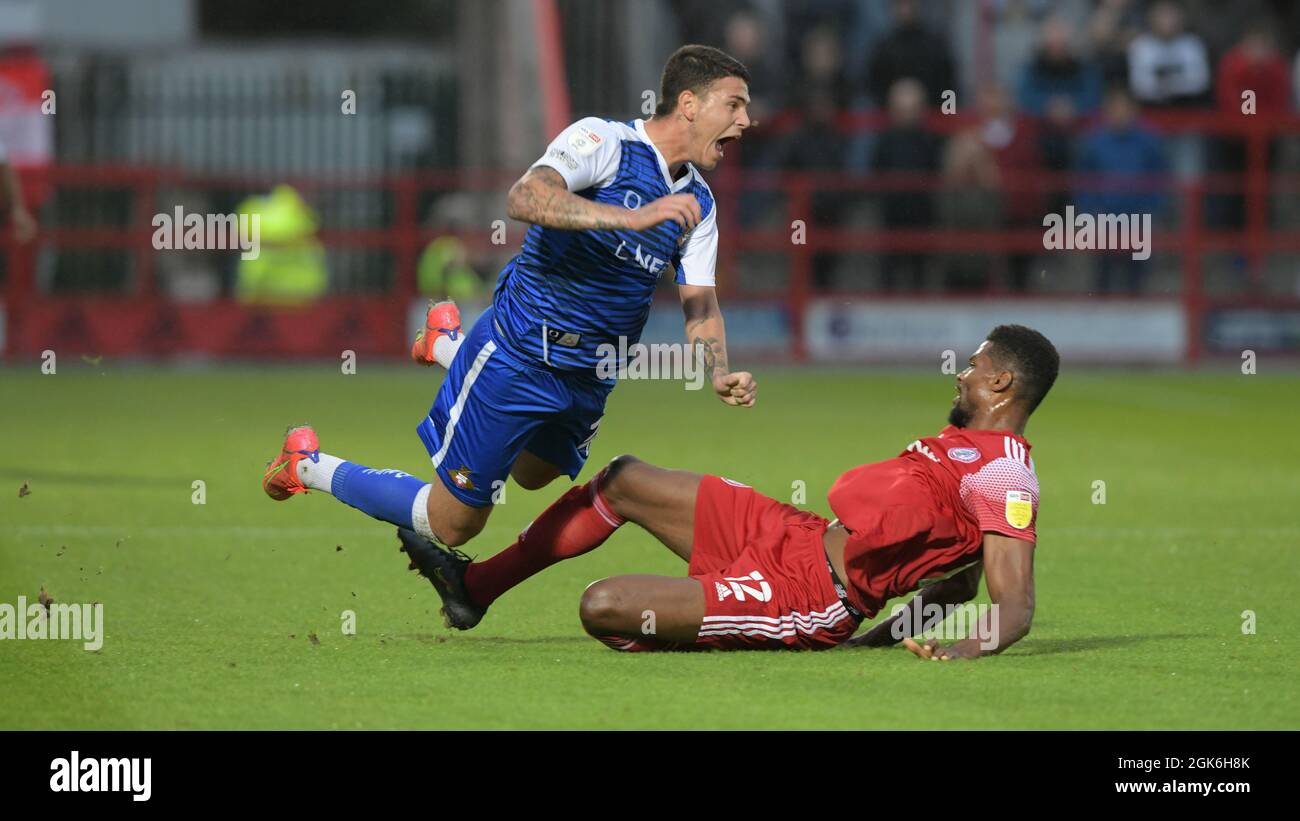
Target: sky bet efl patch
[(584, 141), (1020, 509)]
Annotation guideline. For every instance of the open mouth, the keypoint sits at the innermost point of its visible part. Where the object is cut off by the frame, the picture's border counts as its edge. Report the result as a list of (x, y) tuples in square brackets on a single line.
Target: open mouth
[(721, 145)]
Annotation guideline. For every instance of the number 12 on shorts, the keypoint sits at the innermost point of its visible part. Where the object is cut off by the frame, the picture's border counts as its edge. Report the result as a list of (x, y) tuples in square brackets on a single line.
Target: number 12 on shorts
[(762, 593)]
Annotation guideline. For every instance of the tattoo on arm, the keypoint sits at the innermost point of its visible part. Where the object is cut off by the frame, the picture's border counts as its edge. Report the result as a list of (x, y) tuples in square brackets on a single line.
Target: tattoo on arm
[(714, 353), (542, 198)]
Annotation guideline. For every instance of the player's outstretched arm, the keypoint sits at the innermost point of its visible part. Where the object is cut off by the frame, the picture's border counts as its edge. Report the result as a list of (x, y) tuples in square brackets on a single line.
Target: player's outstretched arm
[(957, 589), (708, 335), (543, 198), (1009, 564)]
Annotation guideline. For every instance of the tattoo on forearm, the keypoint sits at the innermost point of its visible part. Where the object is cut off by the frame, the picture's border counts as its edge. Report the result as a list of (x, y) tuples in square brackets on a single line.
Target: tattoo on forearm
[(543, 198), (714, 354)]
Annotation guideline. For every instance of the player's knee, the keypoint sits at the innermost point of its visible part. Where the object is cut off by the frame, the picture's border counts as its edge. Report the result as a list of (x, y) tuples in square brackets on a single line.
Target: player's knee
[(453, 521), (619, 478), (535, 480), (456, 536), (452, 530), (601, 608)]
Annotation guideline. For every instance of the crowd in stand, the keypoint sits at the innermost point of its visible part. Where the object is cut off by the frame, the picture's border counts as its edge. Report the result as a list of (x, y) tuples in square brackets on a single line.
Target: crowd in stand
[(1061, 87)]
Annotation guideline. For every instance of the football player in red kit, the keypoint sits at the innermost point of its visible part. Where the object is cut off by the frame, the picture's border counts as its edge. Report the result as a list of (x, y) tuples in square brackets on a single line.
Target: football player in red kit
[(763, 574)]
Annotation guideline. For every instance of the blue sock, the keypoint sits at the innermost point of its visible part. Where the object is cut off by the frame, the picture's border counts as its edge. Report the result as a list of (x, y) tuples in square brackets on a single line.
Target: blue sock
[(384, 494)]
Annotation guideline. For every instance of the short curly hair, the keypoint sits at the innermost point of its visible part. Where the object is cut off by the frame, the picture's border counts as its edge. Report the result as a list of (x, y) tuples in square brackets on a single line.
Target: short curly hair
[(1031, 356)]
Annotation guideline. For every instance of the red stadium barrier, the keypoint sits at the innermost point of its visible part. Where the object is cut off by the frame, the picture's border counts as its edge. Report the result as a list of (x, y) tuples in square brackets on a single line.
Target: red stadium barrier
[(143, 322)]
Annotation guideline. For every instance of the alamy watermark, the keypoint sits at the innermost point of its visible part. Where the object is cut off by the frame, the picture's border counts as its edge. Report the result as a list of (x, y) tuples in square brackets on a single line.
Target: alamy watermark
[(947, 622), (53, 620), (180, 231), (667, 360), (77, 774), (1098, 232)]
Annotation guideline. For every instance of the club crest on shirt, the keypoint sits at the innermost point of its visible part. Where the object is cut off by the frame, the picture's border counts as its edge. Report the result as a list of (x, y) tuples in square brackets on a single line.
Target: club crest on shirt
[(964, 454), (1020, 509), (460, 476)]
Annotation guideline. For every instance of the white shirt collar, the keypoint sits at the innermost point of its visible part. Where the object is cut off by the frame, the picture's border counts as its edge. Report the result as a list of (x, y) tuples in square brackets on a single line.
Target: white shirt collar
[(673, 185)]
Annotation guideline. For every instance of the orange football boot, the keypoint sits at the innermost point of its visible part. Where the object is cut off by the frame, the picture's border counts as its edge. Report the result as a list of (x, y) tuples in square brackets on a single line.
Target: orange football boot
[(443, 319), (281, 478)]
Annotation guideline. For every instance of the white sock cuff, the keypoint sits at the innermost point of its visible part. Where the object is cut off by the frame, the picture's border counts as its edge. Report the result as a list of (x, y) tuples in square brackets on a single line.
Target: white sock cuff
[(444, 350), (319, 475), (420, 514)]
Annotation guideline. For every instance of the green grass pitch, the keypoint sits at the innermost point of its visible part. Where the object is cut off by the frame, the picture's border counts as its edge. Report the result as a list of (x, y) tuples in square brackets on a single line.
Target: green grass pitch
[(210, 609)]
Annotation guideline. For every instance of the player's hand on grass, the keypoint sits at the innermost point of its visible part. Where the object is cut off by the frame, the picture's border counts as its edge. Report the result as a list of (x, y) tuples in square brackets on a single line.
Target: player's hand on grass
[(933, 651), (682, 209), (737, 388)]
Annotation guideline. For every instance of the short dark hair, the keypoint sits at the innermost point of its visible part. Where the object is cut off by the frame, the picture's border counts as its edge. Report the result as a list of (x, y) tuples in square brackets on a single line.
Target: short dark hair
[(694, 67), (1031, 356)]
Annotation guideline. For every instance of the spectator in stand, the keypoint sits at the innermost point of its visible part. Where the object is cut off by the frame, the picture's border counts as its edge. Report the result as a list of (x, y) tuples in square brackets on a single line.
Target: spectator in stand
[(705, 21), (821, 64), (989, 174), (911, 50), (1056, 147), (1113, 26), (745, 35), (1013, 141), (1169, 68), (1057, 71), (1113, 159), (745, 38), (13, 207), (905, 145), (28, 147), (1255, 64), (1015, 32), (1168, 65), (971, 202), (817, 145), (800, 17)]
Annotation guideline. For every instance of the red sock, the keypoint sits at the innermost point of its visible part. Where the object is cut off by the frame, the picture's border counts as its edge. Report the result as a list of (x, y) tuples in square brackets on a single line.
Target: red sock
[(579, 521)]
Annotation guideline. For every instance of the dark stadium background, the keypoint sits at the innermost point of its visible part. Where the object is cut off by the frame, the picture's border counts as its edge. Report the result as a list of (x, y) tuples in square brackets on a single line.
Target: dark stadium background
[(925, 219)]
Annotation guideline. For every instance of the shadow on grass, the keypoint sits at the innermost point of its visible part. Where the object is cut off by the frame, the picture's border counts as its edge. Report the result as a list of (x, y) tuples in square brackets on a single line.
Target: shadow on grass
[(1048, 647)]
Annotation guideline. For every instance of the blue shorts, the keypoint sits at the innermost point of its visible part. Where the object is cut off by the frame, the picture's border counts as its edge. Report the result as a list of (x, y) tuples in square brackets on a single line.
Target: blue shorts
[(493, 404)]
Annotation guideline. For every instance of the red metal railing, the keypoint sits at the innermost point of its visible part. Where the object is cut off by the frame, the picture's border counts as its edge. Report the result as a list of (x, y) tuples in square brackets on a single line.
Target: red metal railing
[(28, 312)]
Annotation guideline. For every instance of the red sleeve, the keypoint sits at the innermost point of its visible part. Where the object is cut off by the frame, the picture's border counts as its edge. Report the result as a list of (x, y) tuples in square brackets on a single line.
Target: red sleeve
[(1003, 497)]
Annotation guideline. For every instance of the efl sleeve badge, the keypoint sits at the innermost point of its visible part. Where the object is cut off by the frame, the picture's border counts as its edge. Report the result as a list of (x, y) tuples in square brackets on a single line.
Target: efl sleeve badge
[(1020, 509)]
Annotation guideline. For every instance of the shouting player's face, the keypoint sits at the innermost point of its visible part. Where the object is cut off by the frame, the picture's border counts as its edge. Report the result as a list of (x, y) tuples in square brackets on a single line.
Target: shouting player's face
[(975, 386), (719, 117)]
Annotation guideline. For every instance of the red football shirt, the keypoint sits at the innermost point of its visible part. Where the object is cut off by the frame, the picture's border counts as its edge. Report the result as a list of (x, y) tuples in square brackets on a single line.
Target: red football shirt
[(922, 515)]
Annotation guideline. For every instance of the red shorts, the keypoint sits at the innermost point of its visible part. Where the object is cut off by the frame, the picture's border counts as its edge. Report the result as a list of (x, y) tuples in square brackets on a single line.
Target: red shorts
[(767, 582)]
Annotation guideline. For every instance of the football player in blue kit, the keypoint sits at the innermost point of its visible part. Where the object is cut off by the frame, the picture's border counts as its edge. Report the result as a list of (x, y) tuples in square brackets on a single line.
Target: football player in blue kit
[(613, 206)]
